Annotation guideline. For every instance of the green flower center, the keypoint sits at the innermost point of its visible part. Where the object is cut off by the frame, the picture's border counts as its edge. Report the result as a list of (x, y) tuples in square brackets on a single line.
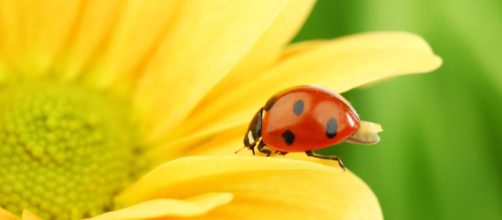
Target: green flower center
[(65, 150)]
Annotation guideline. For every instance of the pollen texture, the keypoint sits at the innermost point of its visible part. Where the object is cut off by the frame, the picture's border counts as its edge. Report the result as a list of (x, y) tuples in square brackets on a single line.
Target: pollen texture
[(65, 150)]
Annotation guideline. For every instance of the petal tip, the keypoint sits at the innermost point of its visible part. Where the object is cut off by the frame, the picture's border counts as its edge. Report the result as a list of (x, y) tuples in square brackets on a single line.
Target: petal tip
[(6, 215), (28, 215)]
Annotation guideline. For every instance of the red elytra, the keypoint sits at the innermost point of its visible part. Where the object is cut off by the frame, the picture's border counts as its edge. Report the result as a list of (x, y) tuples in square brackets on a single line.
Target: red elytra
[(302, 119)]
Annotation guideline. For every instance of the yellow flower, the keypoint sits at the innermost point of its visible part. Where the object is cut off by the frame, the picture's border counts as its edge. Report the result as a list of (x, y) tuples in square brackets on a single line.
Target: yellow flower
[(94, 93)]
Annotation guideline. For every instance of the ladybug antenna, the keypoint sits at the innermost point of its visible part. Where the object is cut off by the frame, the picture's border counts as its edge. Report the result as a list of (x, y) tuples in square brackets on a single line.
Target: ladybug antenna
[(237, 151)]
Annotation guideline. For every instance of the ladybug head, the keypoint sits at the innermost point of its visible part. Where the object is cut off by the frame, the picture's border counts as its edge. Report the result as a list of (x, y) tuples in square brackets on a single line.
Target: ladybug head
[(254, 130)]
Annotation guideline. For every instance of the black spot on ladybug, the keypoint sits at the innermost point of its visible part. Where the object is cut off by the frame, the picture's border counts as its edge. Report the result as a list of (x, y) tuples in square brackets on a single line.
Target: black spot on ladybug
[(289, 137), (331, 127), (270, 103), (298, 107)]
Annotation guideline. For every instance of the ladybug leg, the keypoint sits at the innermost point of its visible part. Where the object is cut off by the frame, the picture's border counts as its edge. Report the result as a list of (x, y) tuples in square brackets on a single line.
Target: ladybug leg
[(252, 150), (282, 153), (262, 148), (326, 157)]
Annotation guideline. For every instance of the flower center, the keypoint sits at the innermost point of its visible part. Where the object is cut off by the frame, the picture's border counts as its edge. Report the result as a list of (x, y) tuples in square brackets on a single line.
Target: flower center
[(65, 150)]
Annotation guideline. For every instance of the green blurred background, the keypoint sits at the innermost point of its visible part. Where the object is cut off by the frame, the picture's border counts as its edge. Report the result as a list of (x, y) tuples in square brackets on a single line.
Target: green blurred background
[(441, 154)]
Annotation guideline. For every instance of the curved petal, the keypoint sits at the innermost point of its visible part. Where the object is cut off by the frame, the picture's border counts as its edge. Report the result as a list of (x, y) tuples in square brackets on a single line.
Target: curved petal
[(6, 215), (339, 65), (263, 188), (204, 43), (161, 208), (33, 32)]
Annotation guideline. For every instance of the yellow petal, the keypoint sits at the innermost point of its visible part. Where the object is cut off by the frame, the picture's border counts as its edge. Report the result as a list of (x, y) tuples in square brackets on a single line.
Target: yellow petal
[(34, 32), (140, 28), (210, 142), (263, 188), (205, 41), (89, 36), (28, 215), (339, 65), (268, 48), (10, 44), (6, 215), (159, 208)]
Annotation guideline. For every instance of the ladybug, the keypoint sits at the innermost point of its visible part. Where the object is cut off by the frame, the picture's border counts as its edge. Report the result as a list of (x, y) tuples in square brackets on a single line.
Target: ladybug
[(305, 119)]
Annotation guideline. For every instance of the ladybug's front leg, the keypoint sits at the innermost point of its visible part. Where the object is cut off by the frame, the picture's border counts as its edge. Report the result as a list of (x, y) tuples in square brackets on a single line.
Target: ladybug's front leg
[(326, 157), (262, 148)]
